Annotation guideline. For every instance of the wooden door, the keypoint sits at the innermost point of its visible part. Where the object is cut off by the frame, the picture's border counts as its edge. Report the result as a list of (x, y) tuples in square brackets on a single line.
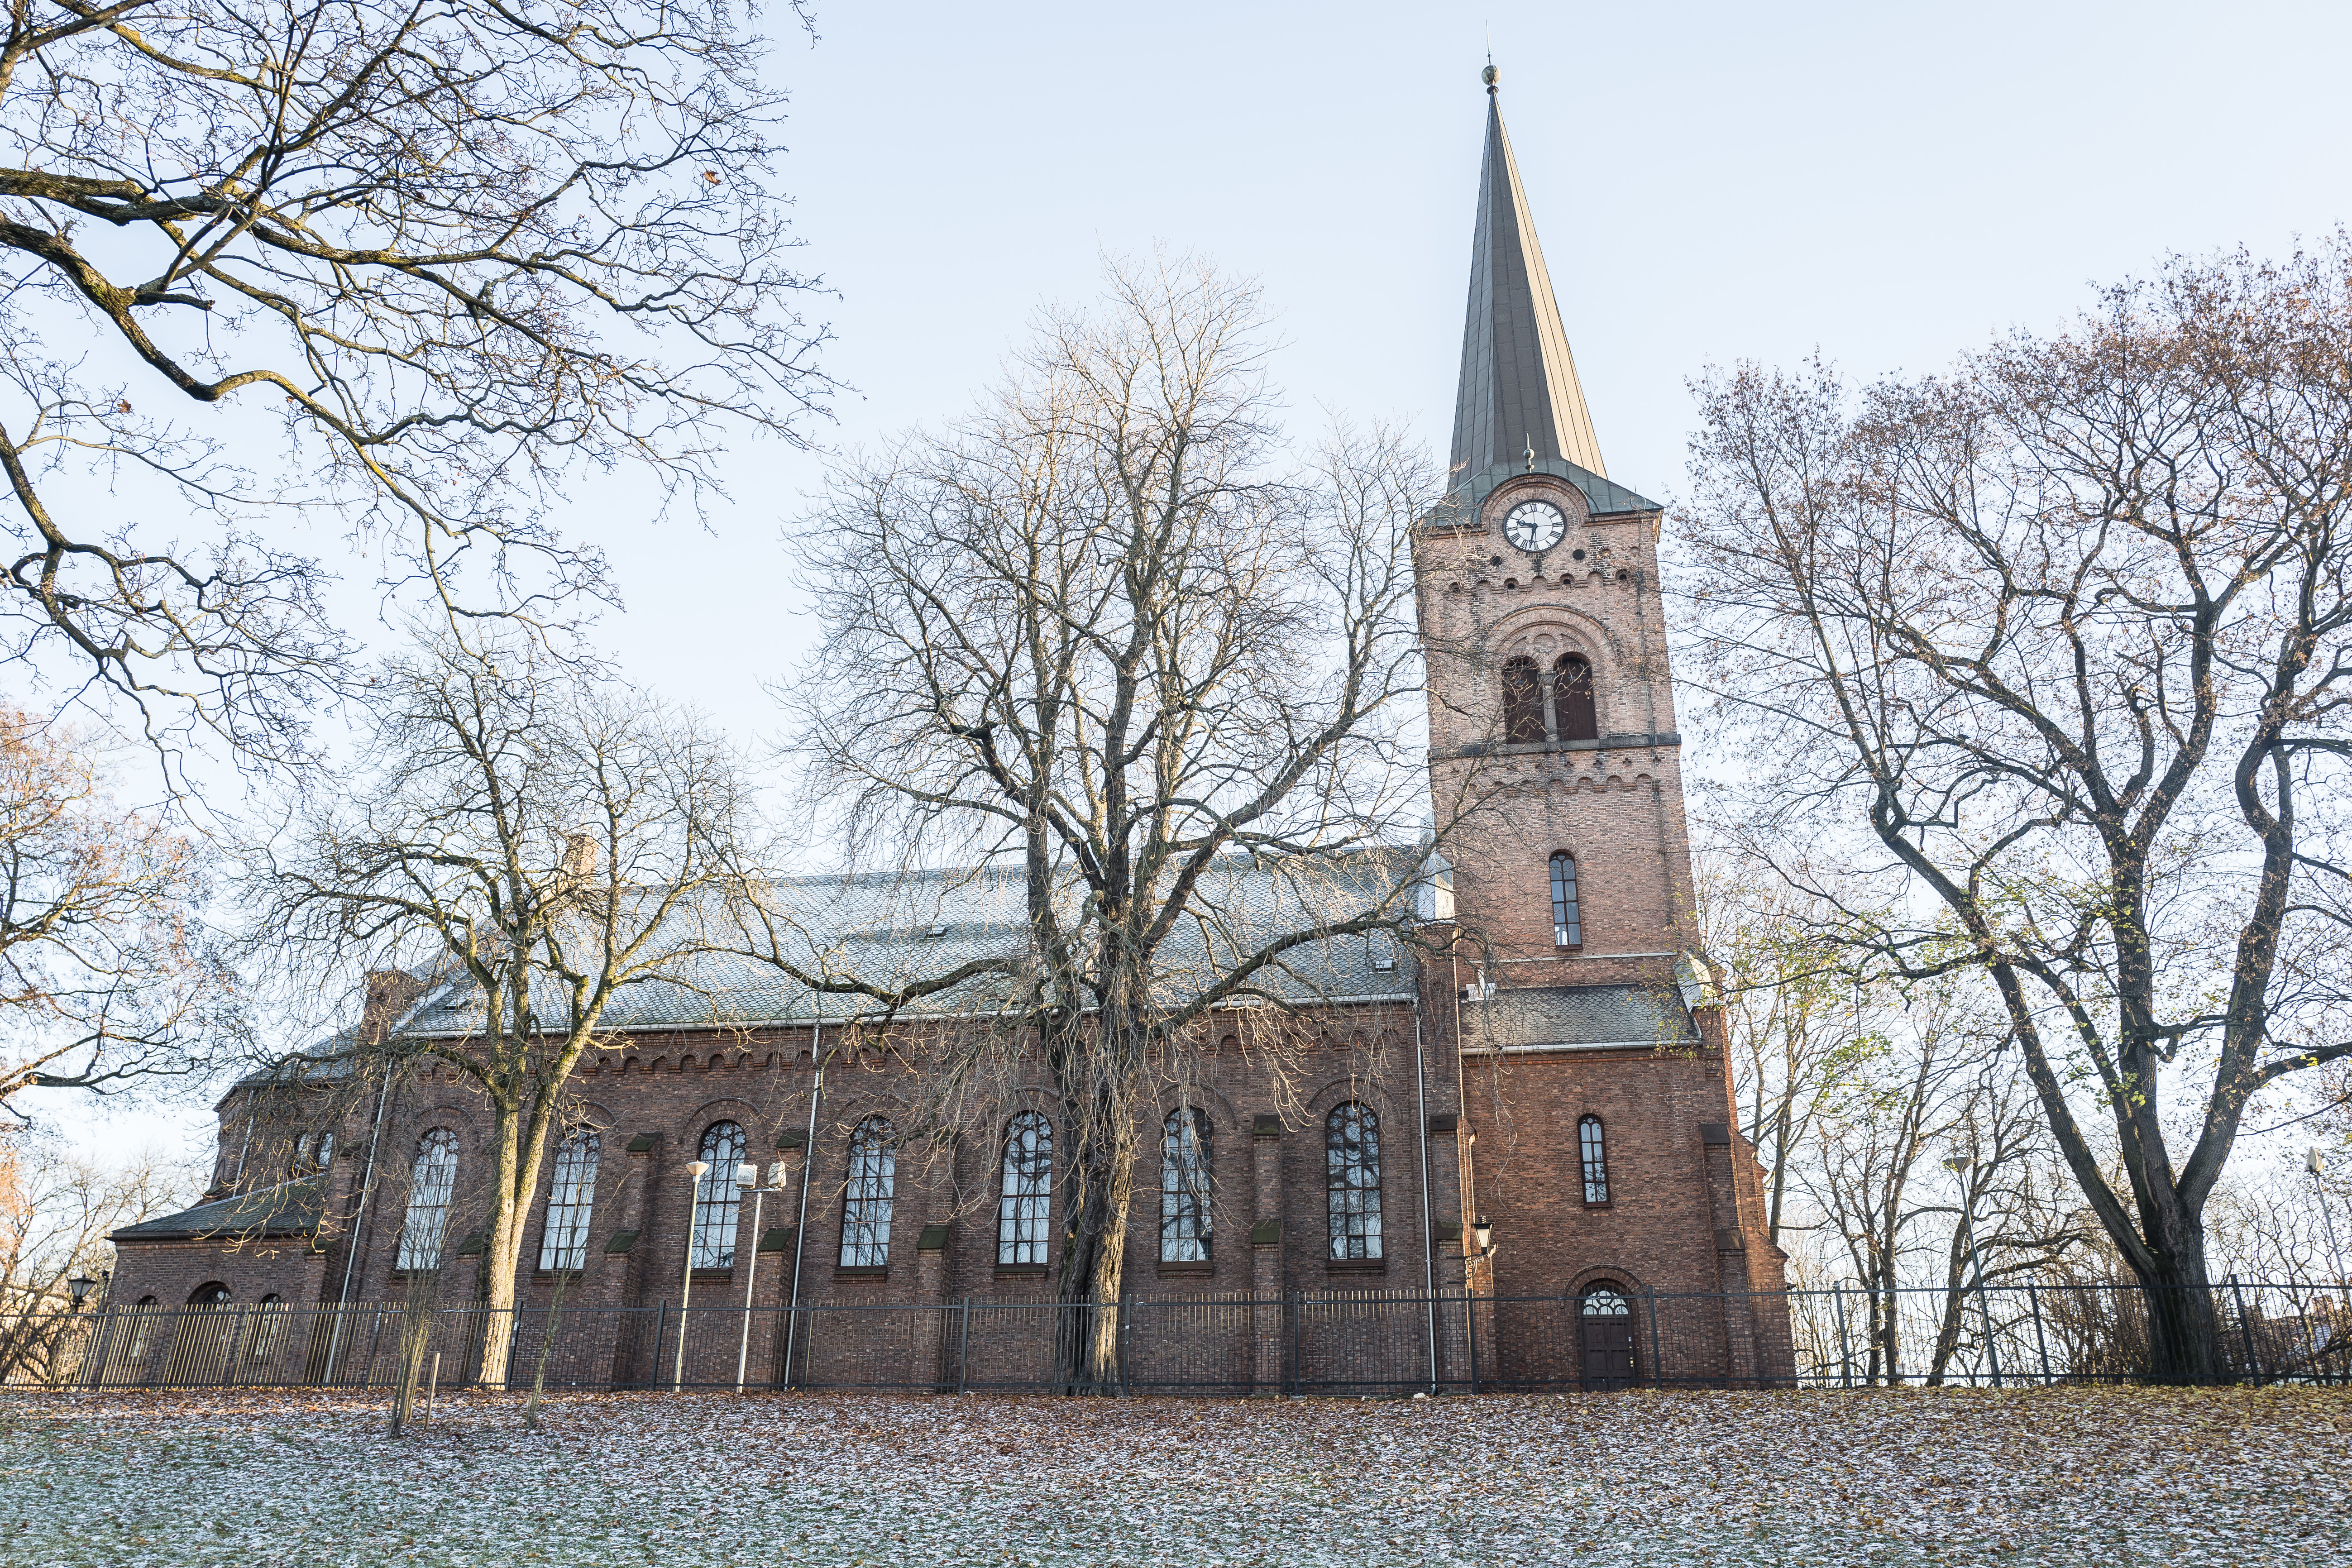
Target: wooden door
[(1605, 1321)]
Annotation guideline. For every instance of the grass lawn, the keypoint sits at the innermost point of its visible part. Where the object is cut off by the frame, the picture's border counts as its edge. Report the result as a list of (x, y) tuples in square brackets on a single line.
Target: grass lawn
[(2105, 1476)]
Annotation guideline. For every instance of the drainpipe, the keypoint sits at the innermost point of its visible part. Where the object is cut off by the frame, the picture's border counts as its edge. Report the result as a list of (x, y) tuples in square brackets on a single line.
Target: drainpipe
[(1428, 1237), (808, 1171), (367, 1186)]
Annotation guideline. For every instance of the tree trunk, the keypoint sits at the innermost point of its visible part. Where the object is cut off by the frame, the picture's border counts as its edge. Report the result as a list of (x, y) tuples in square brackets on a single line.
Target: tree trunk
[(2184, 1332), (1094, 1250), (502, 1247)]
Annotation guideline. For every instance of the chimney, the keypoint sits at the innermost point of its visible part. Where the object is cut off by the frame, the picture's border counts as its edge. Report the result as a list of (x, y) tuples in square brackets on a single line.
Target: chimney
[(389, 993), (581, 853)]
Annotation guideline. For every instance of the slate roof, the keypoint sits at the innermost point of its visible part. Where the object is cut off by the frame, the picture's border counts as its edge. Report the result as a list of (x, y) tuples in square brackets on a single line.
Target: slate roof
[(1577, 1017), (891, 931), (289, 1208), (1519, 386)]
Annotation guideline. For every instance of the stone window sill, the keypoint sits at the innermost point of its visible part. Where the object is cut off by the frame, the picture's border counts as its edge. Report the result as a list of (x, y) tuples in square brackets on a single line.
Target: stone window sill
[(1204, 1266), (720, 1276), (1021, 1271), (861, 1271), (1356, 1266)]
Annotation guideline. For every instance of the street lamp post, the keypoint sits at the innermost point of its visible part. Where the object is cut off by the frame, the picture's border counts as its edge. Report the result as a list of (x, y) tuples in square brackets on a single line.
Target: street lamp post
[(2316, 1164), (747, 1176), (696, 1169), (80, 1285)]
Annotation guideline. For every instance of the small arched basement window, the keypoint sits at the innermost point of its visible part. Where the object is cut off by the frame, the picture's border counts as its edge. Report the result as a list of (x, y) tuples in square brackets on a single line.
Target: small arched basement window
[(1567, 923), (718, 1199), (1025, 1208), (868, 1196)]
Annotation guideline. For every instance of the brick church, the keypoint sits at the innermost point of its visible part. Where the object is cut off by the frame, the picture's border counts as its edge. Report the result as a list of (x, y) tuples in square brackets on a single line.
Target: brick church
[(1539, 1118)]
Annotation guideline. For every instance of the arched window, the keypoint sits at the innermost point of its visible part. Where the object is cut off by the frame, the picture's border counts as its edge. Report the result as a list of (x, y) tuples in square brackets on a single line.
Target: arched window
[(1571, 698), (866, 1200), (1522, 701), (211, 1294), (1605, 1324), (1590, 1146), (430, 1183), (323, 1153), (717, 1197), (267, 1331), (1184, 1187), (1026, 1207), (570, 1200), (1351, 1163), (1567, 925)]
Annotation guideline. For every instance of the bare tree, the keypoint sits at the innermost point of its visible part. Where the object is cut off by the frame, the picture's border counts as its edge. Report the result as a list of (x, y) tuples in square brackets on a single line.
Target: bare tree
[(108, 976), (540, 840), (444, 254), (1095, 641), (57, 1209), (1793, 1010), (2066, 633)]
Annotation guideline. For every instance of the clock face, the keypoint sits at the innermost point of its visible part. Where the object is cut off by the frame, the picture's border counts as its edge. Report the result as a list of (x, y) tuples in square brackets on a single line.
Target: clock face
[(1534, 525)]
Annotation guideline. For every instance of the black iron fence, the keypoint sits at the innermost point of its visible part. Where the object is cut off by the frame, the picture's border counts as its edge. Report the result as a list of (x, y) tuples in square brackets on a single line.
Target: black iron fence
[(1294, 1343)]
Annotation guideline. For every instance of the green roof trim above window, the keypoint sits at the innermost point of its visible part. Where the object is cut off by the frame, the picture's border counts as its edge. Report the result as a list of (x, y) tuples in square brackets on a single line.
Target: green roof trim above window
[(1269, 1234), (778, 1239), (473, 1245), (622, 1241), (934, 1238), (643, 1144)]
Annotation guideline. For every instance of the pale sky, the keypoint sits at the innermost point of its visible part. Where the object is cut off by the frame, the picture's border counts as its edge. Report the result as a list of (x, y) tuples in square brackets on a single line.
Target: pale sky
[(1887, 184)]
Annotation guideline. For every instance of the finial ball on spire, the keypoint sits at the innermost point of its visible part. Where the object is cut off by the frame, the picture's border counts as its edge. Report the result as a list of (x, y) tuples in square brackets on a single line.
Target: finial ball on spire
[(1489, 75)]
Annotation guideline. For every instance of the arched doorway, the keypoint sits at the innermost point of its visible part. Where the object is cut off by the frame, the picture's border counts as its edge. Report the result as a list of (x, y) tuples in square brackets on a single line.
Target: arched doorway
[(1604, 1323)]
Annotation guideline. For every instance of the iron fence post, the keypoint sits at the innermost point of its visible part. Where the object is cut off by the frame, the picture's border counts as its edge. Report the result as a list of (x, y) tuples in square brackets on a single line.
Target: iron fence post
[(964, 1349), (2041, 1340), (1846, 1346), (1657, 1345), (375, 1343), (1126, 1331), (661, 1333), (2246, 1331), (1470, 1327), (1984, 1310)]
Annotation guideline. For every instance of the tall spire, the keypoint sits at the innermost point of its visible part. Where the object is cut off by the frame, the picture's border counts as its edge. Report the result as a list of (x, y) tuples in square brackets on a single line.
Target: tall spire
[(1519, 403)]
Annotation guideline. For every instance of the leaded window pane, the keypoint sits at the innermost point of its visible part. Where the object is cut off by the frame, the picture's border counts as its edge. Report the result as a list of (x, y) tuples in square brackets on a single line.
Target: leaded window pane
[(430, 1184), (1352, 1151), (1588, 1142), (570, 1200), (717, 1197), (1571, 698), (1566, 924), (1523, 719), (866, 1200), (1184, 1187), (1025, 1208)]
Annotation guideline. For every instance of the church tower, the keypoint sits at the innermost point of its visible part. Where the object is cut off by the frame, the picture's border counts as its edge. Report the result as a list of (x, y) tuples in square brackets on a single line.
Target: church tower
[(1593, 1074)]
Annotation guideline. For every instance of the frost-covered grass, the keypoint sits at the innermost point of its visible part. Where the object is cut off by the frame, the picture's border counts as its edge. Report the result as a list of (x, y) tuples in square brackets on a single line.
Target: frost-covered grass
[(2105, 1476)]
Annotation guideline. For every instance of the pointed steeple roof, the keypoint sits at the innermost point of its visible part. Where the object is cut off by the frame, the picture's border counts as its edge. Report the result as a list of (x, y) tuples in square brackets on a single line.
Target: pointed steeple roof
[(1519, 386)]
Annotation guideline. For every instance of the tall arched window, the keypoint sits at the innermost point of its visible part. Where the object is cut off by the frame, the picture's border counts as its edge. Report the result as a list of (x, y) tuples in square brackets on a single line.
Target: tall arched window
[(430, 1183), (322, 1154), (1026, 1207), (717, 1197), (1184, 1187), (1352, 1163), (570, 1199), (1567, 925), (1590, 1146), (1523, 718), (866, 1200), (1571, 698)]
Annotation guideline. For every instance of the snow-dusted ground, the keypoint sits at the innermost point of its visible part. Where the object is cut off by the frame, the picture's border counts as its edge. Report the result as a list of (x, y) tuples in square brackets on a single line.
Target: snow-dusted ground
[(2105, 1476)]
